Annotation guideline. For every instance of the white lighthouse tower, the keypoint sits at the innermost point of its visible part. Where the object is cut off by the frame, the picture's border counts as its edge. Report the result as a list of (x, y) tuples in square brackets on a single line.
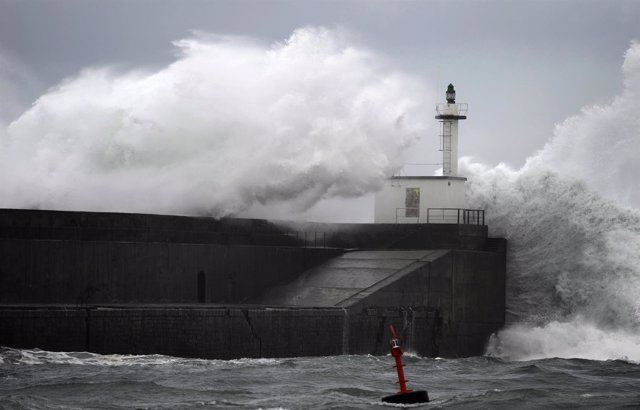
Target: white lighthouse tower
[(431, 199), (449, 114)]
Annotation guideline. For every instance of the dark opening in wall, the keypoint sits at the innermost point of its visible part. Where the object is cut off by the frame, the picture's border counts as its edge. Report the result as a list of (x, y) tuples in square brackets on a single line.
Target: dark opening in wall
[(202, 287)]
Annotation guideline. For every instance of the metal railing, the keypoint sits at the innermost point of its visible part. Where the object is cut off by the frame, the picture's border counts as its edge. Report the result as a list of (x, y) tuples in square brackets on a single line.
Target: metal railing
[(455, 216), (442, 108), (458, 216), (314, 239)]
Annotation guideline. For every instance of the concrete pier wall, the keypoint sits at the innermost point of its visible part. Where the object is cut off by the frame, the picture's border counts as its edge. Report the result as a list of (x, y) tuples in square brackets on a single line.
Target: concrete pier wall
[(445, 303), (120, 283), (116, 227), (213, 332), (86, 257), (461, 293), (391, 236), (81, 272)]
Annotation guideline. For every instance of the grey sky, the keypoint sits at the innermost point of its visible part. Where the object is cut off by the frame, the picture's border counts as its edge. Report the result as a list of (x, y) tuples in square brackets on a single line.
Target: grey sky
[(521, 65)]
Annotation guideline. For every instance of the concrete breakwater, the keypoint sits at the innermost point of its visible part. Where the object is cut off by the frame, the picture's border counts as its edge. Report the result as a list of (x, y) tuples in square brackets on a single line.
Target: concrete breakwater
[(199, 287), (208, 332)]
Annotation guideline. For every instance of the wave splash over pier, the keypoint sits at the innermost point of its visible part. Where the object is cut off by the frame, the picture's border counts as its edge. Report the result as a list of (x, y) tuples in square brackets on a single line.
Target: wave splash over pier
[(571, 217), (230, 123)]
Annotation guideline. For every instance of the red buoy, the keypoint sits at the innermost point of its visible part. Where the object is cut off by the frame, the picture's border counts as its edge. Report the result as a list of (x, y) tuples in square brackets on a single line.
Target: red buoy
[(404, 396)]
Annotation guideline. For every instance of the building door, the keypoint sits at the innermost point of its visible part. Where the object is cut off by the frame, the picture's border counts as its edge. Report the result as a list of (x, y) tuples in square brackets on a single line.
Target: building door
[(202, 287), (412, 203)]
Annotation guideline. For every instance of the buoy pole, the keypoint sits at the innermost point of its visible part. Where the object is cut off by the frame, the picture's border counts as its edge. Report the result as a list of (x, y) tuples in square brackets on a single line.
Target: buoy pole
[(396, 352), (404, 396)]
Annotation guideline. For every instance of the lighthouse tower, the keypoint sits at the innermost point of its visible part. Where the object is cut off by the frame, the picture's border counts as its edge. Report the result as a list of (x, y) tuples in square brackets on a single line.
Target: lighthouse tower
[(449, 113), (431, 199)]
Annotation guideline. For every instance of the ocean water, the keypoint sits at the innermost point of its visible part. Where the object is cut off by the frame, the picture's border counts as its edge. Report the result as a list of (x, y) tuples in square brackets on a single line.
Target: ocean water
[(36, 379)]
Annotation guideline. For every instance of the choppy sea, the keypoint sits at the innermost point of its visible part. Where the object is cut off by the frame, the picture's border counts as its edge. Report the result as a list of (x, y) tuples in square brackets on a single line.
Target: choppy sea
[(36, 379)]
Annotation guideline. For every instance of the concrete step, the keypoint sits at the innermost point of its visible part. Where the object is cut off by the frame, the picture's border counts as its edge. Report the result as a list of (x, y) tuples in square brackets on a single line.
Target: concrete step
[(346, 279)]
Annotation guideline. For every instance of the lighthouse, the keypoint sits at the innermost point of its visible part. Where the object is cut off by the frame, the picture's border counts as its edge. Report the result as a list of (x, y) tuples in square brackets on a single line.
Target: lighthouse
[(431, 199), (449, 114)]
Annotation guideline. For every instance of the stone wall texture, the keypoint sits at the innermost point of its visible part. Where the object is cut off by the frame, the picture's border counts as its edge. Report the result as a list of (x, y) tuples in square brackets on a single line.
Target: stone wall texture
[(141, 284)]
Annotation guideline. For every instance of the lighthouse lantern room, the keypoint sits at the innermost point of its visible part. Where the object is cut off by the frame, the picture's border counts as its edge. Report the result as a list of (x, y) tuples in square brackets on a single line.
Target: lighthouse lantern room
[(431, 199)]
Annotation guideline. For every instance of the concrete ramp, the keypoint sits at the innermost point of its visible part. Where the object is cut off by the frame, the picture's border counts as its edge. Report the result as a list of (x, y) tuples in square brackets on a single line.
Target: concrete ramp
[(350, 278)]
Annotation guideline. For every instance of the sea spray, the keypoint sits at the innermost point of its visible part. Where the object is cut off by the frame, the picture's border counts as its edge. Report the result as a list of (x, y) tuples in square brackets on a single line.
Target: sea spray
[(600, 146), (230, 123), (578, 337), (573, 287)]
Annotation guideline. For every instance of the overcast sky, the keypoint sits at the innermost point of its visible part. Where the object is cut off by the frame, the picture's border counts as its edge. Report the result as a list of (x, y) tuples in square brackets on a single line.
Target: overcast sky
[(521, 65)]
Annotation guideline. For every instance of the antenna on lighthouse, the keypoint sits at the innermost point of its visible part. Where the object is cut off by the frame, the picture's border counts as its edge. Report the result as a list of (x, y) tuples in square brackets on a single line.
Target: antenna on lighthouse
[(449, 113)]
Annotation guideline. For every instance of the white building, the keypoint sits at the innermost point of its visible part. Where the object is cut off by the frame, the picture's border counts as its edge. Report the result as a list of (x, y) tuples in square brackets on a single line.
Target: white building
[(431, 199)]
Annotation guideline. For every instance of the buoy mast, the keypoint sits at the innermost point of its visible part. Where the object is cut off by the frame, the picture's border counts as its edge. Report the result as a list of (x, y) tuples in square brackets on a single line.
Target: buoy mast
[(404, 396)]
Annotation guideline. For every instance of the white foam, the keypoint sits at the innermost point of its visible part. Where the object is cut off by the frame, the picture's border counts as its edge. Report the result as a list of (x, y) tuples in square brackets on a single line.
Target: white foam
[(600, 145), (37, 357), (574, 242), (230, 123), (254, 362), (577, 338), (274, 408)]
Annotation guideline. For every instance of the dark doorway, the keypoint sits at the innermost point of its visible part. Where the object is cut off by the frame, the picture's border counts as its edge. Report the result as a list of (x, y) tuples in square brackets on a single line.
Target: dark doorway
[(202, 287)]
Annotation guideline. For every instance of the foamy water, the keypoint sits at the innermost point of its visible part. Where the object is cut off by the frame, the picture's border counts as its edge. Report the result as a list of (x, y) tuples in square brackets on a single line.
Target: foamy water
[(574, 234), (86, 381)]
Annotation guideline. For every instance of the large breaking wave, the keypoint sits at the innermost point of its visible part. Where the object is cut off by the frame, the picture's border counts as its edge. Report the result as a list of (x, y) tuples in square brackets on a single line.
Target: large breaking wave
[(574, 232), (230, 123)]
